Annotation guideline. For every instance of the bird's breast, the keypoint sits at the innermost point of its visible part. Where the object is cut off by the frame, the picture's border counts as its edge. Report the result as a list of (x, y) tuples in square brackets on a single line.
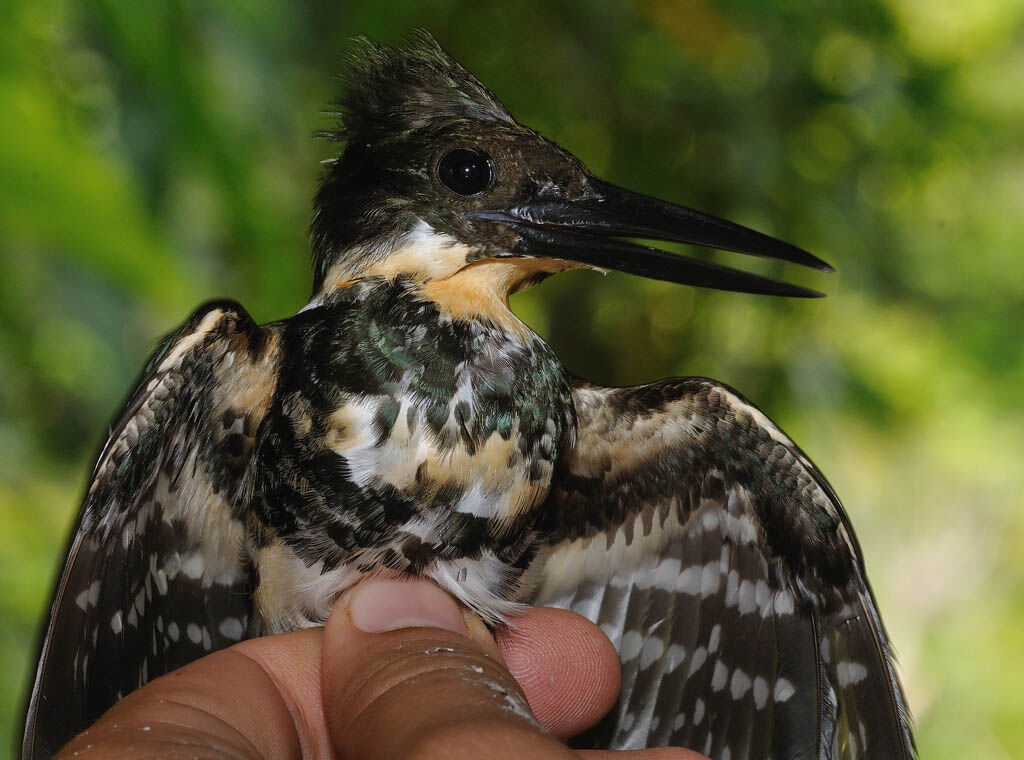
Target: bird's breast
[(413, 442)]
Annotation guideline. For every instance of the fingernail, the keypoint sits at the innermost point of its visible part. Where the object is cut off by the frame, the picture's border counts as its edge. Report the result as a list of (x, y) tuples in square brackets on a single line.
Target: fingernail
[(382, 604)]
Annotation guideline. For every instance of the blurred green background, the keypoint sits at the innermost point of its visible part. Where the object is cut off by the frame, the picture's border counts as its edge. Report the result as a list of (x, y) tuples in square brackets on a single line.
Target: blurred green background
[(153, 155)]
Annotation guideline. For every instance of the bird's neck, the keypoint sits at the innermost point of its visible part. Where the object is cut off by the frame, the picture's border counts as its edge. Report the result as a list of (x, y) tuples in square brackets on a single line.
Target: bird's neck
[(478, 292), (441, 269)]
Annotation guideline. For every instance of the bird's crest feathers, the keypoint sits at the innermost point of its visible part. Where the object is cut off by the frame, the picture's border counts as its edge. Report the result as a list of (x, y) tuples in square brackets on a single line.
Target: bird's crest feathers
[(390, 91)]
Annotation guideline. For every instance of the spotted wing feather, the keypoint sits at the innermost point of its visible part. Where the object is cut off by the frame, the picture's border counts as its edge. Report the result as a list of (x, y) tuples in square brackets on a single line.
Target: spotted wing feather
[(722, 565), (156, 573)]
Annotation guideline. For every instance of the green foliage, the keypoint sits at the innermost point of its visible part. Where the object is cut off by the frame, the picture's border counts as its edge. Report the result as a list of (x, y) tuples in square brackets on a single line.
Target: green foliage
[(153, 155)]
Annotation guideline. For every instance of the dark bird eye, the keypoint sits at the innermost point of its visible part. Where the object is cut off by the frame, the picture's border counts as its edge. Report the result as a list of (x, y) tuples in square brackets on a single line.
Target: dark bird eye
[(465, 171)]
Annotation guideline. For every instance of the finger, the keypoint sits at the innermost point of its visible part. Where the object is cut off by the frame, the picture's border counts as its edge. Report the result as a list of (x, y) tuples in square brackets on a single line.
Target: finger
[(225, 705), (566, 666), (658, 753), (402, 672), (292, 661)]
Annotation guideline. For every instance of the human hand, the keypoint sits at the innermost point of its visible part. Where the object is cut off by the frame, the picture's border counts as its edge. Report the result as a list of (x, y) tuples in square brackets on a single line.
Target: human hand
[(399, 671)]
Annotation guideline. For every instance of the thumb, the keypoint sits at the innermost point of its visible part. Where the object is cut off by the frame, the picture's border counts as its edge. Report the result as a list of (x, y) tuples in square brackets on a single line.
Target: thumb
[(405, 673)]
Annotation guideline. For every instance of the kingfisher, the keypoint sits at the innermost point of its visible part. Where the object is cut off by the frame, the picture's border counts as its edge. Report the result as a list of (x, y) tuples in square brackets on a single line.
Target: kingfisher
[(405, 421)]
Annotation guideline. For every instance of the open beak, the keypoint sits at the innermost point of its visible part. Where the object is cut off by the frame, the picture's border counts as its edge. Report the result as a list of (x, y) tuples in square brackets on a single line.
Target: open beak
[(586, 230)]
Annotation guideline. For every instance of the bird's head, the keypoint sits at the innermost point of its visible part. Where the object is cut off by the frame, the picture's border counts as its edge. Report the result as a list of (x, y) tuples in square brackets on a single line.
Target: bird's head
[(438, 183)]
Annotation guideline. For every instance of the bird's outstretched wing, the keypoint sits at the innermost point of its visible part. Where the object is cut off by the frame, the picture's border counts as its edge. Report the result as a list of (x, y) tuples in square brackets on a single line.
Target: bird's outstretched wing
[(721, 564), (156, 573)]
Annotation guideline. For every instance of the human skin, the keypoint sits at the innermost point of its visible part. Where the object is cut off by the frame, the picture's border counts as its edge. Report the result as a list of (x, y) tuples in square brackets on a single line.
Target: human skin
[(399, 671)]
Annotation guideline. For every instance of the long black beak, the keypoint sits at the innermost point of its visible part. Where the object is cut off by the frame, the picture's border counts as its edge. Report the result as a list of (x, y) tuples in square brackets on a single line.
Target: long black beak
[(585, 230)]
